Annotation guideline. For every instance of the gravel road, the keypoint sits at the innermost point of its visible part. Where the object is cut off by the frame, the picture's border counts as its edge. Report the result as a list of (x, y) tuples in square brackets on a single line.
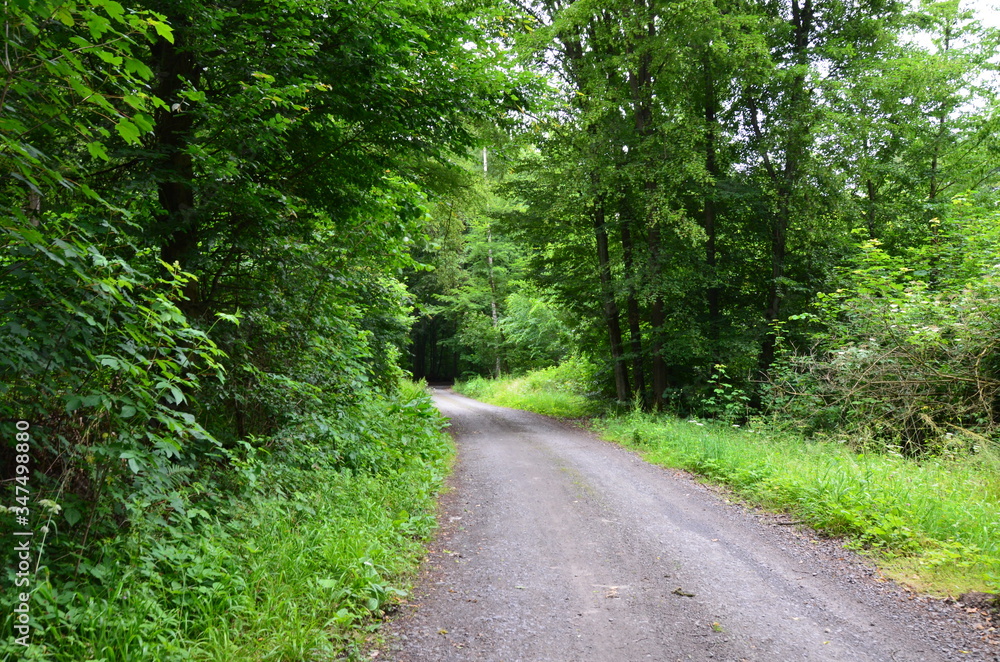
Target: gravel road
[(558, 546)]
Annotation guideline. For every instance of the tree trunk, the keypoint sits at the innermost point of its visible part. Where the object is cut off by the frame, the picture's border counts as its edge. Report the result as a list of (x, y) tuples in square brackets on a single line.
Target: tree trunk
[(493, 293), (713, 293), (174, 172), (779, 235), (932, 189), (611, 313), (657, 317), (641, 88), (870, 185), (635, 333), (785, 180)]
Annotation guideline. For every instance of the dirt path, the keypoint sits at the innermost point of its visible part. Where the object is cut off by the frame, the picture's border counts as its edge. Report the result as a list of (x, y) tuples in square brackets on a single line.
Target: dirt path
[(559, 546)]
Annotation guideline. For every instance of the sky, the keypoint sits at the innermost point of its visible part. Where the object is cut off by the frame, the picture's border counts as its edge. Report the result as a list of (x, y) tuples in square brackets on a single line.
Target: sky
[(987, 11)]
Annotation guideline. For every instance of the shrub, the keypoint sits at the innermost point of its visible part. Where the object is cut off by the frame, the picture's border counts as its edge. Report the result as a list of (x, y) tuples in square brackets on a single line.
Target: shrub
[(904, 354)]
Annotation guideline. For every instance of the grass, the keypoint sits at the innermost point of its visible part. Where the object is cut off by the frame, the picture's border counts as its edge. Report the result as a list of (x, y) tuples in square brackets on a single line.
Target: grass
[(933, 523), (301, 566), (556, 391)]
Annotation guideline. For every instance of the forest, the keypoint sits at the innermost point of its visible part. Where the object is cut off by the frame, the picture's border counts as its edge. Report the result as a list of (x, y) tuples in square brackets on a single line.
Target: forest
[(796, 200), (235, 233)]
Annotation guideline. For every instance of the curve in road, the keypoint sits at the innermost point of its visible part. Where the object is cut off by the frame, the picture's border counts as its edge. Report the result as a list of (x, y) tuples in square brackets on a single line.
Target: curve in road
[(559, 546)]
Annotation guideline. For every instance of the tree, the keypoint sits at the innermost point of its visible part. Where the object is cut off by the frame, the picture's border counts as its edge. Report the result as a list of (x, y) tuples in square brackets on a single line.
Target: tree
[(209, 212)]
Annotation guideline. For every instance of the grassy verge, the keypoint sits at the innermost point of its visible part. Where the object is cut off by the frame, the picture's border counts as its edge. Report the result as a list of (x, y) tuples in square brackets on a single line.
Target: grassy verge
[(301, 565), (556, 391), (932, 523)]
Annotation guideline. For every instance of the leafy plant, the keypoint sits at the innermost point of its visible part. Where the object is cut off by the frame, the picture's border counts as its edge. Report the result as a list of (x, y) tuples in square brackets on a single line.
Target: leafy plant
[(902, 353), (299, 560), (561, 390), (728, 402)]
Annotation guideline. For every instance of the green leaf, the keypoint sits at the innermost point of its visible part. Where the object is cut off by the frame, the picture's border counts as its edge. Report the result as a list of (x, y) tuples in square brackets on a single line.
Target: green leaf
[(72, 515), (114, 10), (64, 15), (163, 30), (135, 101), (97, 25), (178, 395), (127, 130), (110, 58), (228, 318), (98, 151), (138, 67), (144, 122)]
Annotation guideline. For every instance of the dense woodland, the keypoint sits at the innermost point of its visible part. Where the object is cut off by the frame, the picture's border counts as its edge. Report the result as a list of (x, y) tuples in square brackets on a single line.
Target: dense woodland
[(231, 229), (775, 207)]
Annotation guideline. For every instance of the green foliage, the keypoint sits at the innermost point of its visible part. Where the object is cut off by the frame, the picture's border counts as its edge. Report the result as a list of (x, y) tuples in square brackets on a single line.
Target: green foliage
[(726, 402), (902, 352), (536, 336), (208, 213), (700, 167), (303, 555), (560, 390), (478, 302), (103, 356), (71, 71)]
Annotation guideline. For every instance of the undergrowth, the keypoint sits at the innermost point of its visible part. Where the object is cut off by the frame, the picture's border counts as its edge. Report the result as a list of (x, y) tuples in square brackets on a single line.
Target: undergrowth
[(933, 522), (556, 391), (300, 564)]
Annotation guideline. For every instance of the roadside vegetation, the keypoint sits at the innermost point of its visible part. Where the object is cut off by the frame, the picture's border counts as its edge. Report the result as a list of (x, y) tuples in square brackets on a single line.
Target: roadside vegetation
[(931, 522), (207, 441), (555, 391), (230, 233), (297, 555)]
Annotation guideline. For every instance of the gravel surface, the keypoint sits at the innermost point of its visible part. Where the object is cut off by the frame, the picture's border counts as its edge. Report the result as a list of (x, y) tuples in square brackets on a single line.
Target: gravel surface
[(556, 545)]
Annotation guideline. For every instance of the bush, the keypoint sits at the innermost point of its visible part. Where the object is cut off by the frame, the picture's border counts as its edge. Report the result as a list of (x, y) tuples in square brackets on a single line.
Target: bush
[(905, 352), (293, 561)]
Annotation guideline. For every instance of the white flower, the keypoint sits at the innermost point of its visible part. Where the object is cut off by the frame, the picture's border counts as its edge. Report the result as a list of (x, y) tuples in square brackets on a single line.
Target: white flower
[(50, 506)]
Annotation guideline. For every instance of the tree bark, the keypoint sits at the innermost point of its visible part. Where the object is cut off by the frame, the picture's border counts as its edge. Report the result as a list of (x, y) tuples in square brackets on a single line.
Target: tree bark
[(641, 88), (785, 180), (493, 293), (172, 134), (611, 313), (174, 169), (635, 332), (779, 238), (657, 318), (870, 186)]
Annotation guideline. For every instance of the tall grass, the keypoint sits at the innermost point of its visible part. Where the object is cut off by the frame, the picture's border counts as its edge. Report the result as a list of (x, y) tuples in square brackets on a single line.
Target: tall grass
[(556, 391), (300, 566)]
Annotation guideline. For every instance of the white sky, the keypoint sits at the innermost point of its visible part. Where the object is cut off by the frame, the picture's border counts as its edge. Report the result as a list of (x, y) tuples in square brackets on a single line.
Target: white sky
[(986, 11)]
